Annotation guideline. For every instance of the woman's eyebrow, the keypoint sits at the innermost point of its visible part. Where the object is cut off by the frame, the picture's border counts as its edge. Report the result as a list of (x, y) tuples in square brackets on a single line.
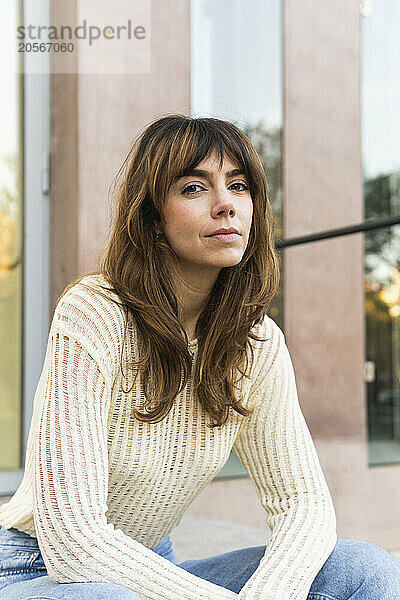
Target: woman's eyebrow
[(208, 174)]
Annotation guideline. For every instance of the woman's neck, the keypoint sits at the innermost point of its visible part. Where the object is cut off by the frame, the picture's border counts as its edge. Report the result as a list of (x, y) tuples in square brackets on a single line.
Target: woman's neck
[(193, 292)]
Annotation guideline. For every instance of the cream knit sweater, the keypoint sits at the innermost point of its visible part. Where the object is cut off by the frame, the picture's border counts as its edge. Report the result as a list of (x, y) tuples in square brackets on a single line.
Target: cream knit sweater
[(101, 489)]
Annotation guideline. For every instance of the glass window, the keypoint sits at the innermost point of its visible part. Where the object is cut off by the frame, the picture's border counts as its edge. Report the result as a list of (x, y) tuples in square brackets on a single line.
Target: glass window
[(236, 75), (382, 369), (10, 244), (380, 100)]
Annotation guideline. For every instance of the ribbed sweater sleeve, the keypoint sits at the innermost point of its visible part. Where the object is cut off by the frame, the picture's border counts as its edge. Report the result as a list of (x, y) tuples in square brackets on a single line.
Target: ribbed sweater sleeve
[(276, 448), (71, 483)]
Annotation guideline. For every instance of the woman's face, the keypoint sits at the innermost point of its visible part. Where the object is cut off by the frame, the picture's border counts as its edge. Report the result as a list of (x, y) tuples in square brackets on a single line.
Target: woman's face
[(202, 202)]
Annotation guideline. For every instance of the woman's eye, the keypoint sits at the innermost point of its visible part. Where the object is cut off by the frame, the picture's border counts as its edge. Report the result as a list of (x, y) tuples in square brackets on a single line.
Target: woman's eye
[(245, 187), (189, 188)]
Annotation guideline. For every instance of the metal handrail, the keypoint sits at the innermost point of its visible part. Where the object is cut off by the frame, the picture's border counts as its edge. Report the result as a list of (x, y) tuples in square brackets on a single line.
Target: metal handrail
[(367, 225)]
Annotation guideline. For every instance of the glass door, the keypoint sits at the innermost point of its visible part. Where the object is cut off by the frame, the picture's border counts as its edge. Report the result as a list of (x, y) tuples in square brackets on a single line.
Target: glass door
[(24, 256)]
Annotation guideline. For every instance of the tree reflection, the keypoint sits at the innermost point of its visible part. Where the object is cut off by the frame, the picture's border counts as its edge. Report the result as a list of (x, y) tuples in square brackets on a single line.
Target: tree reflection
[(382, 302), (268, 143), (9, 219)]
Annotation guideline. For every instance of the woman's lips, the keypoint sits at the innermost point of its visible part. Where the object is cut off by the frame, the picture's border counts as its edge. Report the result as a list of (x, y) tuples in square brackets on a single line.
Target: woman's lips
[(225, 237)]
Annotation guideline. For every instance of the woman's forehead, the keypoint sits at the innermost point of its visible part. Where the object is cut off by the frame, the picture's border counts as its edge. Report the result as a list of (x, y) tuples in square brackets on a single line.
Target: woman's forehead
[(212, 162)]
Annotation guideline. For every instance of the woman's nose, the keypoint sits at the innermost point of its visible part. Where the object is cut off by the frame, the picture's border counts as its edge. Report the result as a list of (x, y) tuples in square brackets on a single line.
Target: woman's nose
[(223, 200), (224, 208)]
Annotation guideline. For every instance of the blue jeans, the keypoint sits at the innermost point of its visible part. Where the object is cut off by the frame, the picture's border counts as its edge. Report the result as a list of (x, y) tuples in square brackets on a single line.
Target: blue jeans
[(354, 570)]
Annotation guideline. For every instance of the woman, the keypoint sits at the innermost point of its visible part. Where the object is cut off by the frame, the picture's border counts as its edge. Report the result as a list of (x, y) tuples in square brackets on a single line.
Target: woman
[(156, 367)]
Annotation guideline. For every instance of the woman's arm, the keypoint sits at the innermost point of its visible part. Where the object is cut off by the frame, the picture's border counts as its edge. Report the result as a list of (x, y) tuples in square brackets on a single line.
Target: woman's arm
[(71, 486), (276, 448)]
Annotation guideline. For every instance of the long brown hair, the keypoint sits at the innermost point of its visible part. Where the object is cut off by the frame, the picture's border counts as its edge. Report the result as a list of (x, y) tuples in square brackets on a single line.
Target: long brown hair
[(140, 268)]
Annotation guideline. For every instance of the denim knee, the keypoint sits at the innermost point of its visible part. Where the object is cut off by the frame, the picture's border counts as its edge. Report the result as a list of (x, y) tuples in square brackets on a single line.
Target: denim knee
[(382, 572), (97, 591), (230, 570), (358, 570), (43, 588)]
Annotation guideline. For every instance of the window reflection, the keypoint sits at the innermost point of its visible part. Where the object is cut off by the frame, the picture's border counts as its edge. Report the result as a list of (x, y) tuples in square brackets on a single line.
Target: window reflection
[(382, 296), (382, 194), (268, 143), (380, 100), (10, 246)]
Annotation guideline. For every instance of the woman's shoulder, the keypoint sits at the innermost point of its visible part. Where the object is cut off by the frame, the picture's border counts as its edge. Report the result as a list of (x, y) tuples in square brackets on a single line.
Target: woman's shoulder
[(268, 330), (90, 298), (90, 312), (271, 337)]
